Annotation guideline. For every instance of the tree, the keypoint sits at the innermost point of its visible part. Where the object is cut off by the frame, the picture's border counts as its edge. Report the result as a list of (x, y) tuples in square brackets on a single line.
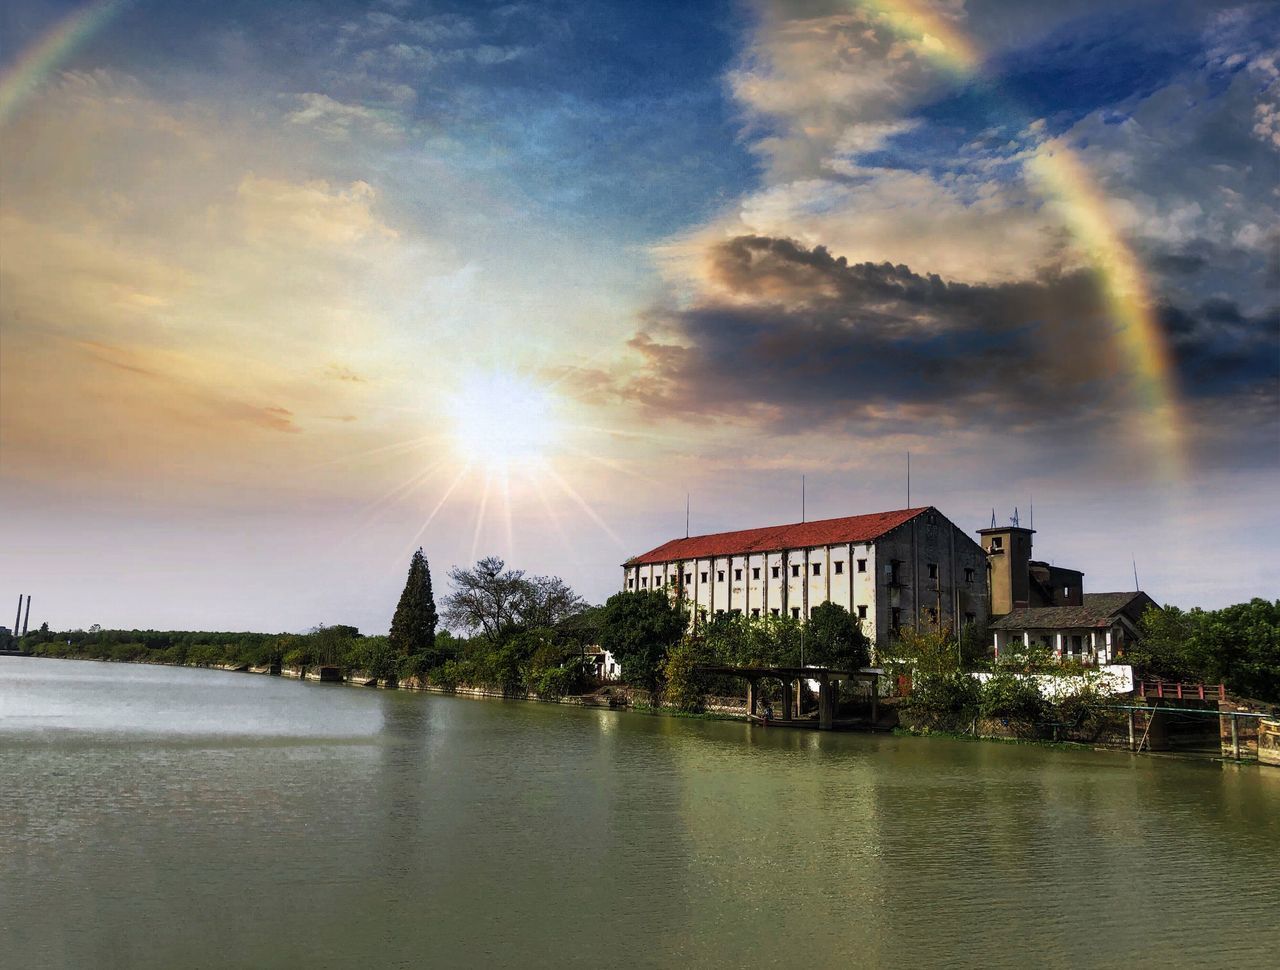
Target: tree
[(413, 627), (638, 628), (487, 599), (833, 638), (494, 600), (549, 602), (1238, 646)]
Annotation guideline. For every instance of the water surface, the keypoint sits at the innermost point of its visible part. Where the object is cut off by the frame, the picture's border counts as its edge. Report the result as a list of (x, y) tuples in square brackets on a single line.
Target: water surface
[(162, 817)]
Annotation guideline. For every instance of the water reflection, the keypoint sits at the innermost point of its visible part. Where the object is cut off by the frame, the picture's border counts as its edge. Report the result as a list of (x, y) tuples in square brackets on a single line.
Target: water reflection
[(156, 827)]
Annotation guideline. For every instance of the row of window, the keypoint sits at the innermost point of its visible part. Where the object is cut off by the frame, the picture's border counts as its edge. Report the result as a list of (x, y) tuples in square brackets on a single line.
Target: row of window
[(795, 612), (891, 569)]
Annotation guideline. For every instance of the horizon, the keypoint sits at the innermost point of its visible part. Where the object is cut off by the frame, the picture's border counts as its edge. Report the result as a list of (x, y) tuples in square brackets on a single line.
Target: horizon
[(290, 290)]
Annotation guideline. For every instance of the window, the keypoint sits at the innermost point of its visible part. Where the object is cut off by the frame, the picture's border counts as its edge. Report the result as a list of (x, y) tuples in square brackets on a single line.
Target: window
[(755, 572), (1077, 644), (688, 578), (755, 612), (719, 575), (644, 581), (704, 577), (839, 568), (817, 569), (795, 612), (795, 569), (895, 619), (774, 611), (970, 619), (933, 570), (968, 575), (862, 612), (776, 572), (737, 574), (891, 568), (997, 542), (862, 565), (1066, 591), (631, 583)]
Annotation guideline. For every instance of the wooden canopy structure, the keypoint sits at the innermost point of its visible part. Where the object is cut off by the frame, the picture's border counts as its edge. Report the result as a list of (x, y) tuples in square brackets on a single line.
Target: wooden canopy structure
[(791, 679)]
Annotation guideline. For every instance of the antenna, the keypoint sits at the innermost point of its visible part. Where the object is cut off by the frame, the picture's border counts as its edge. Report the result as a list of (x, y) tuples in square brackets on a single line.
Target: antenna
[(1014, 520), (993, 518), (1135, 574)]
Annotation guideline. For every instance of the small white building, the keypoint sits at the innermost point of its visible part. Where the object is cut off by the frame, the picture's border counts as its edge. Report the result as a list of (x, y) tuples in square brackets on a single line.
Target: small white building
[(906, 569), (1096, 632), (603, 664)]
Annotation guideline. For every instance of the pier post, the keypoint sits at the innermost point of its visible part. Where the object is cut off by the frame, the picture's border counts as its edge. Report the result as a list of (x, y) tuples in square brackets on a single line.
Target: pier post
[(1235, 738), (787, 709), (751, 696), (824, 704)]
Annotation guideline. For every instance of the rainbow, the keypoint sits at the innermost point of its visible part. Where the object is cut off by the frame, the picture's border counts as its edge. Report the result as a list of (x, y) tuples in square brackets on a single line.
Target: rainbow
[(41, 58), (1063, 178)]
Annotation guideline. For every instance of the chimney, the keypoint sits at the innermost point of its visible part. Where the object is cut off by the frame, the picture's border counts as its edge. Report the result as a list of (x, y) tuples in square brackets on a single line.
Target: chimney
[(17, 619), (27, 618)]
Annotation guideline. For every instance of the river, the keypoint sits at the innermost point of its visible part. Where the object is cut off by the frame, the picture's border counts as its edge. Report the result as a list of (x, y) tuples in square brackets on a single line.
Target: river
[(164, 817)]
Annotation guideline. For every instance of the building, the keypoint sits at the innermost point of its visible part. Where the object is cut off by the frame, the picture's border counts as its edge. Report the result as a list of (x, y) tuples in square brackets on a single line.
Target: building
[(1035, 603), (1099, 630), (602, 665), (907, 569)]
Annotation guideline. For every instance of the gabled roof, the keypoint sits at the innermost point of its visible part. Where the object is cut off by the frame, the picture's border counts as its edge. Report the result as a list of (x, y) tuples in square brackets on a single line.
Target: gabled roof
[(1099, 610), (775, 538)]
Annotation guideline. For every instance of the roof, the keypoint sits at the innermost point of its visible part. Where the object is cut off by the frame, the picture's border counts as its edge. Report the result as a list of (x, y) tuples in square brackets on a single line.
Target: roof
[(775, 538), (1099, 610)]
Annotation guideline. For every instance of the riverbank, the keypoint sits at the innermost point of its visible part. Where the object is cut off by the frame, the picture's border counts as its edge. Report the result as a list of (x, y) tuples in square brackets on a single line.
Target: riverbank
[(1110, 731)]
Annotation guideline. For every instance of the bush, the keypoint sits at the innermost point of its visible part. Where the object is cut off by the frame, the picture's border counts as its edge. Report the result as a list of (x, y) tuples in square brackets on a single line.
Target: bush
[(556, 682), (944, 694), (205, 655), (1012, 698), (297, 657), (684, 689)]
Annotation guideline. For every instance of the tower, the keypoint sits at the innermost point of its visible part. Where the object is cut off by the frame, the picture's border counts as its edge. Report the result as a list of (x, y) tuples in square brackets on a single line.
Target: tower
[(1008, 551)]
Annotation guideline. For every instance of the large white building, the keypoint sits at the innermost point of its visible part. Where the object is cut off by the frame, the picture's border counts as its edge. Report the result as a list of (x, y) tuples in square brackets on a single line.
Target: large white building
[(909, 569)]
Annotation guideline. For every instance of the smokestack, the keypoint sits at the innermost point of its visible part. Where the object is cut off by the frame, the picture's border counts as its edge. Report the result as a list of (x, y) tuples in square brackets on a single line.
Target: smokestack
[(17, 617), (26, 619)]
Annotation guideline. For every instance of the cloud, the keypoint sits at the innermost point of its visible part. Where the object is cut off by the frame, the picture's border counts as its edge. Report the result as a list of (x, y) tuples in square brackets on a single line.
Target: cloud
[(792, 338)]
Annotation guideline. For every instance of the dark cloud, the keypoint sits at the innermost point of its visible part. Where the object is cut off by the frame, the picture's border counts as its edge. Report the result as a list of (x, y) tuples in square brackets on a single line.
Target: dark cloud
[(794, 337)]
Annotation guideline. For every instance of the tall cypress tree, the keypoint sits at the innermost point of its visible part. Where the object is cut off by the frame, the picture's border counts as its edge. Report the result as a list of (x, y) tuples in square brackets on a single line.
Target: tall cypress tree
[(413, 628)]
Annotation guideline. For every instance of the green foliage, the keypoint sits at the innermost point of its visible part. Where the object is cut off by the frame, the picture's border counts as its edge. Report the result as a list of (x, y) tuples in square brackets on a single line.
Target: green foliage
[(1009, 697), (683, 687), (491, 600), (1238, 646), (928, 652), (944, 693), (413, 626), (376, 657), (555, 682), (834, 638), (638, 628)]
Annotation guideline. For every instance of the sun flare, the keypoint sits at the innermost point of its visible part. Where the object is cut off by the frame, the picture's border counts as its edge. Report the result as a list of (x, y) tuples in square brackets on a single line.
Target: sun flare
[(502, 422)]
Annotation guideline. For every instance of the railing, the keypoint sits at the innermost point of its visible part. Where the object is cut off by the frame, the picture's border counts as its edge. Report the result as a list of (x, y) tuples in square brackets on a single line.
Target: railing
[(1180, 691)]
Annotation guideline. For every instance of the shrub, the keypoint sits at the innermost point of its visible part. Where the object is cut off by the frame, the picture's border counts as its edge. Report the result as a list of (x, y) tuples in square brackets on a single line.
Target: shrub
[(684, 689), (556, 682), (944, 694), (1009, 697)]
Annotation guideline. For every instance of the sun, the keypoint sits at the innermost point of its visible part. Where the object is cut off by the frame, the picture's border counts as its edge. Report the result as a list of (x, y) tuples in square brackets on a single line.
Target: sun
[(503, 422)]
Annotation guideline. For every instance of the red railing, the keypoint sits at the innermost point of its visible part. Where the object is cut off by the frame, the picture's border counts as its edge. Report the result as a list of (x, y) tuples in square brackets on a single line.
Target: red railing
[(1180, 691)]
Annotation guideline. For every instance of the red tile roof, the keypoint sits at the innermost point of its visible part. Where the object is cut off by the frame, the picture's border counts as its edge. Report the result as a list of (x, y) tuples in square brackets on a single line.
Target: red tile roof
[(774, 538)]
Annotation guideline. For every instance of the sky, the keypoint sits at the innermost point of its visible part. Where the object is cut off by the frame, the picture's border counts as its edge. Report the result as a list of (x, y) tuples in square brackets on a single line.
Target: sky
[(290, 289)]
